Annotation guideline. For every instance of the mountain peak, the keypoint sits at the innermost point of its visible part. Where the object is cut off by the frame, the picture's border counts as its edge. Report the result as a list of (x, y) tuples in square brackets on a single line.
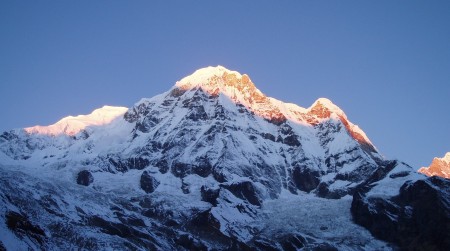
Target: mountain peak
[(72, 125), (241, 90), (219, 79), (439, 167), (203, 75), (323, 108), (237, 87)]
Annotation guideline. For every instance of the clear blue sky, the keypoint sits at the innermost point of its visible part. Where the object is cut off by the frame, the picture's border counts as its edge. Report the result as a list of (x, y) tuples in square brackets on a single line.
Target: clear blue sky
[(385, 63)]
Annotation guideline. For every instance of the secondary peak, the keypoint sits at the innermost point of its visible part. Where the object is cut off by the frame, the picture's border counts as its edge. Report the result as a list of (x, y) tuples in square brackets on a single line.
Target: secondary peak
[(72, 125), (324, 108)]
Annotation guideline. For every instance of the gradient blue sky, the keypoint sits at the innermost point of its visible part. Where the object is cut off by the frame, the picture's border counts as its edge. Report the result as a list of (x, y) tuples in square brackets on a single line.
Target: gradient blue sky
[(385, 63)]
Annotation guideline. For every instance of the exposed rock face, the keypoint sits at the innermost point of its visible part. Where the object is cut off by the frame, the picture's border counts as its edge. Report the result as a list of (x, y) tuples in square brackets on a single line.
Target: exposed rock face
[(20, 224), (148, 182), (244, 190), (305, 179), (415, 214), (85, 178), (189, 243), (210, 194), (123, 165), (439, 167)]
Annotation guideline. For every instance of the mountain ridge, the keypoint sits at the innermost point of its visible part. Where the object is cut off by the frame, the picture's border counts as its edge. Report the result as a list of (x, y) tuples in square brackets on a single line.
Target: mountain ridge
[(212, 80)]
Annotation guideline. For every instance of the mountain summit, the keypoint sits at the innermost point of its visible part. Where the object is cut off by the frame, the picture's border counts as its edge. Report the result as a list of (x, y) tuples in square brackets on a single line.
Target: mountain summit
[(207, 117), (439, 167), (241, 90), (213, 163), (238, 88), (215, 79)]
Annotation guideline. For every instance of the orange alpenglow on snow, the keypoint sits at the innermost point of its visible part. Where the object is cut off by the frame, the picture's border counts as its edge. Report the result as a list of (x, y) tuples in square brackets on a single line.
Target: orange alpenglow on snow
[(72, 125), (439, 167), (241, 90)]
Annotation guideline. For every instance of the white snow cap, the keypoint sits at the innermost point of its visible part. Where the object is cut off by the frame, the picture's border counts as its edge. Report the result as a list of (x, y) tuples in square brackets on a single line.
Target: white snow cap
[(238, 87), (72, 125), (211, 79), (438, 167), (203, 76), (329, 105), (446, 157)]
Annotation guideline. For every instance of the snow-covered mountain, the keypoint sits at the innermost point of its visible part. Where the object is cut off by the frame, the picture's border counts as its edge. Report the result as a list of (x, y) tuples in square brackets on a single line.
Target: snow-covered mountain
[(213, 163), (214, 122), (72, 125), (438, 167)]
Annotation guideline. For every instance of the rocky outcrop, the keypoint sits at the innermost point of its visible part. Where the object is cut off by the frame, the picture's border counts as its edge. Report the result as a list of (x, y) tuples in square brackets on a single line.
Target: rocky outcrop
[(148, 182), (21, 225), (210, 194), (305, 179), (190, 243), (244, 190), (417, 217), (123, 165), (201, 168), (85, 178)]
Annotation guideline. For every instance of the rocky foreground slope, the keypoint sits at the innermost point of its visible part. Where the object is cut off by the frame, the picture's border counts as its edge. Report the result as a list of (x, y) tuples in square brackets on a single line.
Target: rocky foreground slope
[(212, 164)]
